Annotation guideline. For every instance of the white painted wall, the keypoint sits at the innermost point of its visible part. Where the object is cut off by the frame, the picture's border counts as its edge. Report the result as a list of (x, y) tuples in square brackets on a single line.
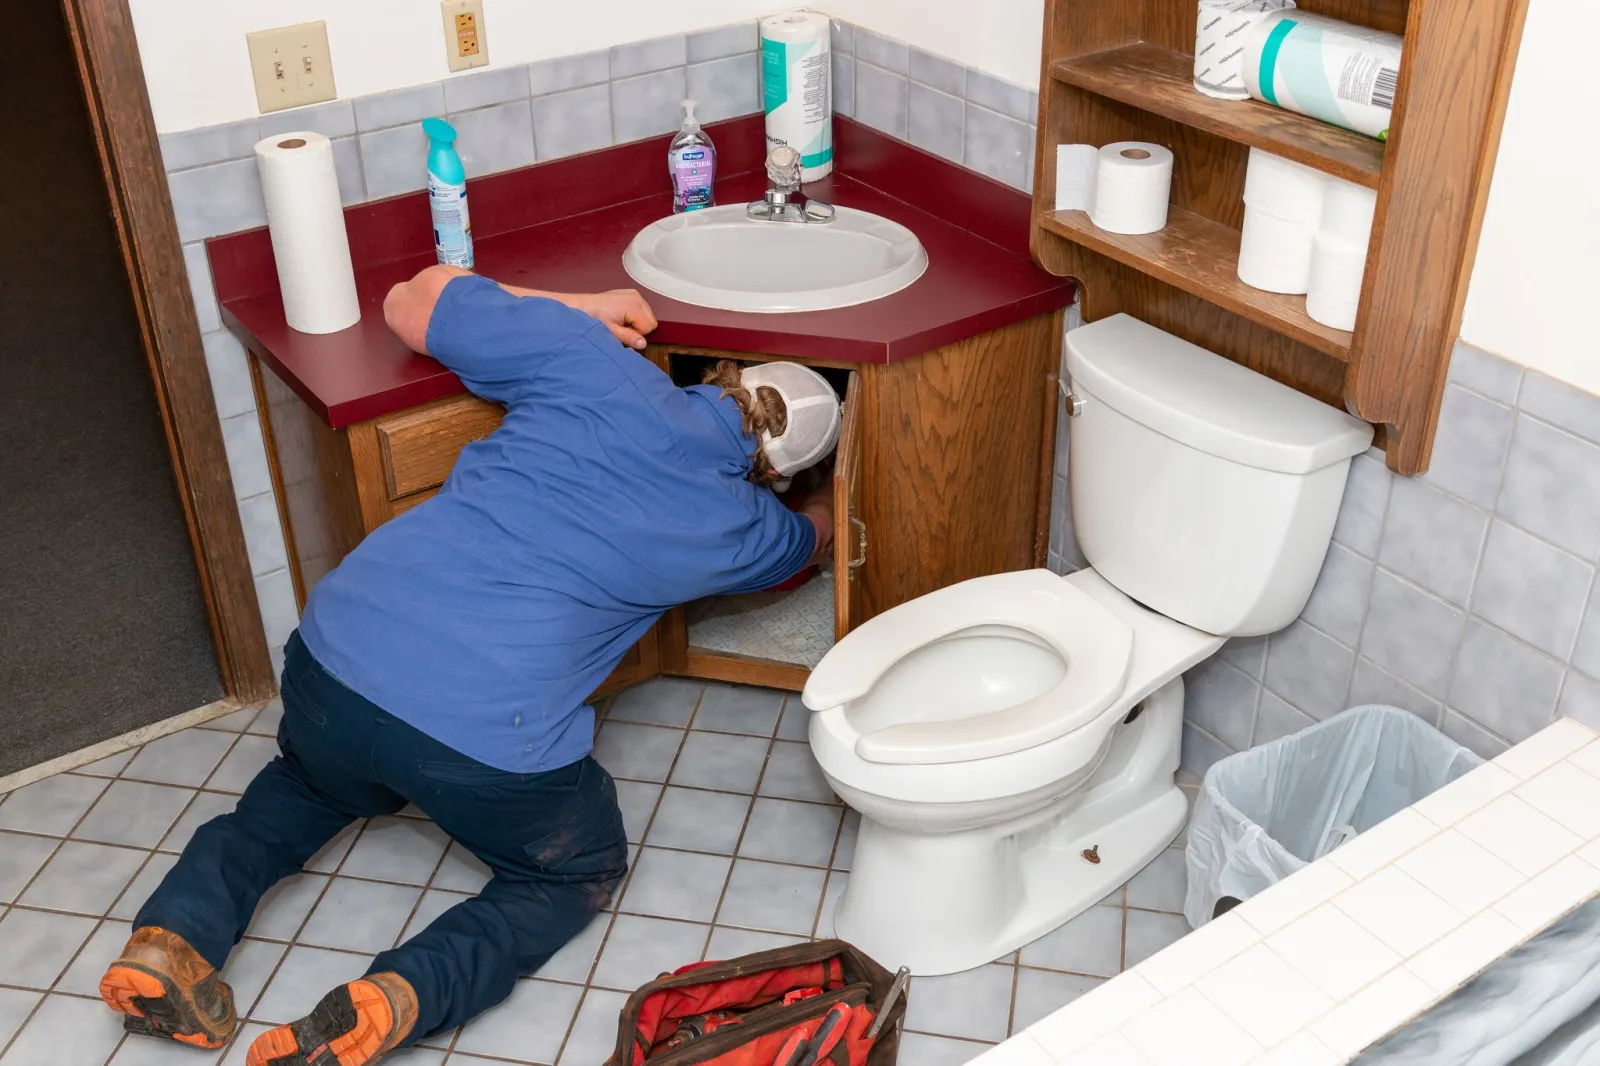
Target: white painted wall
[(199, 72), (999, 37)]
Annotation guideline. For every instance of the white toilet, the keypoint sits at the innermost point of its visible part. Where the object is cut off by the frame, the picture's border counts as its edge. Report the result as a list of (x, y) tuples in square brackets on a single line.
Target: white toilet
[(1011, 741)]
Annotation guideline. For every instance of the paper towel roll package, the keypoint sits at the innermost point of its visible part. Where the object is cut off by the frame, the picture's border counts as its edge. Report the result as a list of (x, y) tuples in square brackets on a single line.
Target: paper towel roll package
[(1220, 33), (1125, 187), (797, 88), (1338, 72), (306, 222)]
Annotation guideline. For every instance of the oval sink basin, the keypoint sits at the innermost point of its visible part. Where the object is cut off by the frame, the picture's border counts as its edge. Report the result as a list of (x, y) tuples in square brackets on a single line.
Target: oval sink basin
[(722, 258)]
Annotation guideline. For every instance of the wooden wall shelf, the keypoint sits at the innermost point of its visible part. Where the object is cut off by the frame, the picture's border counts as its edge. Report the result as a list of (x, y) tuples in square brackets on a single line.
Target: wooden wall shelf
[(1116, 70)]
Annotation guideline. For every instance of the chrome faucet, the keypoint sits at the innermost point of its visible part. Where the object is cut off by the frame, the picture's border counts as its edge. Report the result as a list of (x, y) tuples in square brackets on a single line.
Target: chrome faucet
[(784, 201)]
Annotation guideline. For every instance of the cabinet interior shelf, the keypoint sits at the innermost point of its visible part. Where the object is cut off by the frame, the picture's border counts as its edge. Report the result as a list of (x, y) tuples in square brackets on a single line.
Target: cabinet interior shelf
[(1201, 257), (1161, 81)]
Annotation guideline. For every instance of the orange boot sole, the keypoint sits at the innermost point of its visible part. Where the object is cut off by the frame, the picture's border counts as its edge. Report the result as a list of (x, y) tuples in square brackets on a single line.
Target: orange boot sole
[(153, 1005), (354, 1025)]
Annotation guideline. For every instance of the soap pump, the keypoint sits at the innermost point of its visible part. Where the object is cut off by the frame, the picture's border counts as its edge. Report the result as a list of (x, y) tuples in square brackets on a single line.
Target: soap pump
[(692, 165)]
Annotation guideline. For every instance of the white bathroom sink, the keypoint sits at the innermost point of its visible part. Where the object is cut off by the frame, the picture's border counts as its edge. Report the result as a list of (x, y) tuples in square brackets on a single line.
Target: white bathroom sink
[(721, 258)]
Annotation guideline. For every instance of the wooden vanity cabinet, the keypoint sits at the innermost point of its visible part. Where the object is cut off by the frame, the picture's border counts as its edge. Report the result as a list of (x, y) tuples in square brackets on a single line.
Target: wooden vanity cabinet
[(942, 473)]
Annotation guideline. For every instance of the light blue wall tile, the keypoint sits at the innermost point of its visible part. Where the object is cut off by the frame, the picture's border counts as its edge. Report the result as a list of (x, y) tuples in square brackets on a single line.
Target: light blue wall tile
[(1432, 539), (1222, 700), (1472, 736), (1574, 411), (999, 147), (395, 161), (881, 51), (230, 374), (1504, 685), (217, 199), (568, 72), (641, 57), (1309, 669), (1532, 590), (1469, 451), (844, 84), (263, 534), (647, 106), (279, 613), (212, 144), (572, 122), (936, 122), (1248, 654), (1366, 502), (1338, 603), (881, 99), (466, 92), (1411, 634), (725, 88), (937, 72), (247, 455), (336, 118), (399, 107), (1276, 719), (1010, 100), (1580, 699), (1485, 374), (1552, 487), (1372, 684), (494, 139), (731, 40), (347, 167), (1586, 656), (843, 36), (198, 268), (1200, 752)]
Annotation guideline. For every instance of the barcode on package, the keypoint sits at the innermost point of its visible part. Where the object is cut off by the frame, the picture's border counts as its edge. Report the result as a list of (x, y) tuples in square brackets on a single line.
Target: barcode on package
[(1383, 87)]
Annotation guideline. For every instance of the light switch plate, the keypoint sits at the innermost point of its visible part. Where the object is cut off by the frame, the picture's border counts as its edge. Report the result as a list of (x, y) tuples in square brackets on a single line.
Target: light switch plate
[(465, 45), (292, 66)]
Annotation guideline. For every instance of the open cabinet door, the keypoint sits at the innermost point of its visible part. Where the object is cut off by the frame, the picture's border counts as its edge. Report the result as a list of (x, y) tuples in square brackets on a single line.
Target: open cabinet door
[(640, 664), (849, 533)]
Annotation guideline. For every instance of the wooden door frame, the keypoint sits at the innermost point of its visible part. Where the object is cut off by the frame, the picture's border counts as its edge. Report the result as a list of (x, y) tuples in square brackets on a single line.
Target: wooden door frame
[(112, 76)]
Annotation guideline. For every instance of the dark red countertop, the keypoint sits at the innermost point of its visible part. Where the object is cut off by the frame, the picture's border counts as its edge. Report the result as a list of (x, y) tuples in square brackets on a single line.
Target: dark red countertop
[(975, 282)]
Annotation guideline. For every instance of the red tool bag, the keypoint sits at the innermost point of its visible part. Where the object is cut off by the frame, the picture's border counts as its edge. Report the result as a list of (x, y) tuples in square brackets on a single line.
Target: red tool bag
[(749, 1011)]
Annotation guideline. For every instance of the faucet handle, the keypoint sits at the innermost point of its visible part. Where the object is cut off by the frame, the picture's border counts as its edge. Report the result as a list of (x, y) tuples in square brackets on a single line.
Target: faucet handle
[(783, 167)]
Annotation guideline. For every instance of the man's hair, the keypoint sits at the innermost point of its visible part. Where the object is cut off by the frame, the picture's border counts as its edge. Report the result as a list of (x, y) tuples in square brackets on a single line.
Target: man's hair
[(764, 412)]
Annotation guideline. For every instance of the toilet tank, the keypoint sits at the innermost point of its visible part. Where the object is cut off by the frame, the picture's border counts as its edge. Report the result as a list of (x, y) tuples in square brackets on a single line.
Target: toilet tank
[(1200, 488)]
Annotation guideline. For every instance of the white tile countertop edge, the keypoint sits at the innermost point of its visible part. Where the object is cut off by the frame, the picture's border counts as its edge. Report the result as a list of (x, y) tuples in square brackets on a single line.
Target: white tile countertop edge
[(1344, 952)]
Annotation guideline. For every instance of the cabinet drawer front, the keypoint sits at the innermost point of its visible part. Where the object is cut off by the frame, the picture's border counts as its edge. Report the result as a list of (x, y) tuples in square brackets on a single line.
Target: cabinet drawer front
[(419, 448)]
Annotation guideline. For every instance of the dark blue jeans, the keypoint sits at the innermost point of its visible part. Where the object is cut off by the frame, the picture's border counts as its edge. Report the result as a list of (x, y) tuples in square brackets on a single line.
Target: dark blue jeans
[(554, 842)]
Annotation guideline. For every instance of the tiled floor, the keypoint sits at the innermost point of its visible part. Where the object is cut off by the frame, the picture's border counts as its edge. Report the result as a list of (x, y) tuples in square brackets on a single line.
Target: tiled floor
[(739, 844)]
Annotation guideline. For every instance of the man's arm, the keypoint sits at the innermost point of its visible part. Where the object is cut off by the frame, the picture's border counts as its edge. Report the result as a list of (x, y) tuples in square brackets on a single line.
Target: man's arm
[(409, 307), (818, 507)]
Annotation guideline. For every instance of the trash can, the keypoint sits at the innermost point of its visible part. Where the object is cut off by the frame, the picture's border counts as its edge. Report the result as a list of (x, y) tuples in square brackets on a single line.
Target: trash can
[(1264, 813)]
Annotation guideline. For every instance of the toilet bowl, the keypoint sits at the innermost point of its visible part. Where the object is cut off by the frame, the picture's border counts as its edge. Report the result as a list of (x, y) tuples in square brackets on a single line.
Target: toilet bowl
[(1011, 741)]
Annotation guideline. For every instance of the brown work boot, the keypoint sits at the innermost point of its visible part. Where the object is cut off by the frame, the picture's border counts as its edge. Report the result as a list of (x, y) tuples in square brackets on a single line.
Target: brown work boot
[(166, 989), (355, 1025)]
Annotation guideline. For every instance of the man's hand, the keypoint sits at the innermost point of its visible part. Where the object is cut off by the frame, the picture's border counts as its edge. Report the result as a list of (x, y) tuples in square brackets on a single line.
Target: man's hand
[(623, 311), (818, 507)]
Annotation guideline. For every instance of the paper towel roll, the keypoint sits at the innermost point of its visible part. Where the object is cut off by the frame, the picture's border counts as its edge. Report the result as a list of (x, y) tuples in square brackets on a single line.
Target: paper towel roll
[(1283, 188), (797, 88), (306, 222), (1220, 34), (1275, 253), (1125, 187), (1335, 71)]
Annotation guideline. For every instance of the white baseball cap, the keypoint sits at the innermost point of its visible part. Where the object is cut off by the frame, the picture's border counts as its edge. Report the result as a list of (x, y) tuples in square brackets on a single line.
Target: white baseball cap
[(813, 409)]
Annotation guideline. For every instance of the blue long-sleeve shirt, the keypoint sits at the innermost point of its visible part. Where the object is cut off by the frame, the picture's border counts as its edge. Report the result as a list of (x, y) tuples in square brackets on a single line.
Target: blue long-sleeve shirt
[(485, 616)]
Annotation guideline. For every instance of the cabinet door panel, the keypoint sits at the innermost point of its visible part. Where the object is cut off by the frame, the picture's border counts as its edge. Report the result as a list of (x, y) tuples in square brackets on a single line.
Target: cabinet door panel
[(849, 531)]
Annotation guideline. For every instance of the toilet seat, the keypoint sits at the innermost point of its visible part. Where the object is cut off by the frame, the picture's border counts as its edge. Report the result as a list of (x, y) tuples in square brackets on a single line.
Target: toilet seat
[(1095, 645)]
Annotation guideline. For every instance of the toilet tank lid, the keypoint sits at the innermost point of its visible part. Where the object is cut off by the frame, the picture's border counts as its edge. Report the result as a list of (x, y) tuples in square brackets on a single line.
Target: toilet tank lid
[(1206, 402)]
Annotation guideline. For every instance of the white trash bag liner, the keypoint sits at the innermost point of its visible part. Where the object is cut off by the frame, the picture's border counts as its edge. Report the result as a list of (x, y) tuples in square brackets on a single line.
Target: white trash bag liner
[(1264, 813)]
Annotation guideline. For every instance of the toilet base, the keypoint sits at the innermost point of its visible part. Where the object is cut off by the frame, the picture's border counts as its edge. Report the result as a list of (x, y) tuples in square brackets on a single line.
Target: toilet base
[(947, 902)]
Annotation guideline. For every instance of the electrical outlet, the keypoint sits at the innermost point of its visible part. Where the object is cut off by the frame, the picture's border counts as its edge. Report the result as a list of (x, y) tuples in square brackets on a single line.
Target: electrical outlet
[(292, 66), (464, 43)]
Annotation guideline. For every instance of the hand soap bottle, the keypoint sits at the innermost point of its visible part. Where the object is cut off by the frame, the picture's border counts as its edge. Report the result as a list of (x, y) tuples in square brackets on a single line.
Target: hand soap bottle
[(692, 165), (447, 195)]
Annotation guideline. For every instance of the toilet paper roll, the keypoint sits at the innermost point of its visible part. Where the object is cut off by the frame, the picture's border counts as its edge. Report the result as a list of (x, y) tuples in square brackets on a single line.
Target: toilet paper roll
[(1125, 187), (1347, 212), (797, 88), (1335, 71), (1220, 33), (1283, 188), (306, 223), (1333, 288), (1275, 253)]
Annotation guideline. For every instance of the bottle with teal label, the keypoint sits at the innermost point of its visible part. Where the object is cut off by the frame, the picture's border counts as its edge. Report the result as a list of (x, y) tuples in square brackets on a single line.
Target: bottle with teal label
[(447, 195)]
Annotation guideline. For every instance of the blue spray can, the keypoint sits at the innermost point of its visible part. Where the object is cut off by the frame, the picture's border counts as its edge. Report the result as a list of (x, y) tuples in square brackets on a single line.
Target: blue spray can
[(447, 195)]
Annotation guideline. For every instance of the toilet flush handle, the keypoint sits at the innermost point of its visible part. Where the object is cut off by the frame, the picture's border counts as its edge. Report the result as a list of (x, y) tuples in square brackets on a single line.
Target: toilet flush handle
[(1075, 403)]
